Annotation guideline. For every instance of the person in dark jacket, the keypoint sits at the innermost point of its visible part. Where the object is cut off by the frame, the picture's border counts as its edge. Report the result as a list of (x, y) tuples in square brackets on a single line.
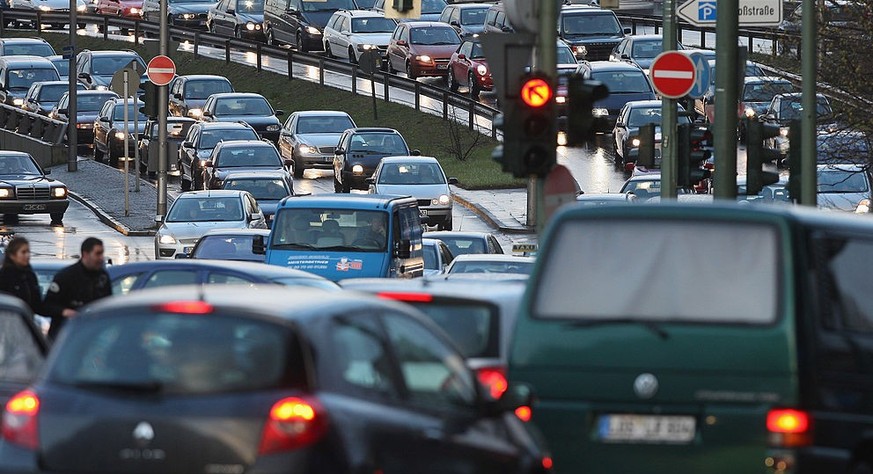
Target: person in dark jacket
[(77, 285), (16, 276)]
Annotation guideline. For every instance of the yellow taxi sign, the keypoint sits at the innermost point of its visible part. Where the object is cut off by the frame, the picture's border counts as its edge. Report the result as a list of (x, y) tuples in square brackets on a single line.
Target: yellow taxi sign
[(524, 248)]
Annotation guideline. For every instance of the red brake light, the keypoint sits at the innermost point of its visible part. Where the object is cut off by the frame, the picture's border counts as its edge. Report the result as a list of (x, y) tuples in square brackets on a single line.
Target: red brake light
[(548, 463), (294, 422), (787, 421), (524, 413), (186, 307), (495, 379), (406, 297), (19, 420)]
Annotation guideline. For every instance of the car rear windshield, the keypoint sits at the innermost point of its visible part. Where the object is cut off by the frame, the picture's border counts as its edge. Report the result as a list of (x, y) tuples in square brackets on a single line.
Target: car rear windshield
[(210, 138), (591, 25), (202, 89), (22, 79), (178, 353), (20, 355), (669, 271), (474, 327)]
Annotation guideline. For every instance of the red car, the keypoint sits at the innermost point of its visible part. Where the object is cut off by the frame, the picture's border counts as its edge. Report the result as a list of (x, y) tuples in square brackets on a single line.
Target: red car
[(468, 67), (125, 8), (422, 48)]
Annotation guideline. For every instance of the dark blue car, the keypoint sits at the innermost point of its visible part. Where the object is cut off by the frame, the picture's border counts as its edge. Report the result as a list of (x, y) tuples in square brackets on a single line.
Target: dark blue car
[(626, 82)]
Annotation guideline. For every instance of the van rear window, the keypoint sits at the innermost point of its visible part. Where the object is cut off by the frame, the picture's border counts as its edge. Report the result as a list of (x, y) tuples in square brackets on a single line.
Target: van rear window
[(663, 271)]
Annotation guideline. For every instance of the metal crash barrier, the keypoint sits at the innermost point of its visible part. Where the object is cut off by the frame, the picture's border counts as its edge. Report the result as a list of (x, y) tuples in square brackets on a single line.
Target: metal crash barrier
[(32, 133)]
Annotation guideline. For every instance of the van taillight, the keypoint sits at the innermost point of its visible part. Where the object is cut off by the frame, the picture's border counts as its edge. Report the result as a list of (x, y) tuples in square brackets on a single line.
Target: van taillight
[(19, 420), (524, 413), (495, 379), (294, 422), (789, 427)]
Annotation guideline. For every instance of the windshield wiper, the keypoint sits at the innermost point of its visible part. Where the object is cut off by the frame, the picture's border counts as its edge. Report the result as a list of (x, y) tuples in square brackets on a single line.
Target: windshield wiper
[(652, 326), (145, 386)]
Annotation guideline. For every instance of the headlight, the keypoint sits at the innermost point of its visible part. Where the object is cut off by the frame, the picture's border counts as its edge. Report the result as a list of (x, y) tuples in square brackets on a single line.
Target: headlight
[(45, 8), (167, 240), (443, 200), (308, 150), (312, 30), (119, 135), (17, 101), (6, 193), (635, 142), (367, 47), (482, 70), (750, 112), (185, 16), (134, 11), (250, 26), (59, 193), (273, 128), (195, 113), (599, 112), (863, 207), (783, 132), (581, 50), (560, 99), (358, 169), (423, 58), (102, 88)]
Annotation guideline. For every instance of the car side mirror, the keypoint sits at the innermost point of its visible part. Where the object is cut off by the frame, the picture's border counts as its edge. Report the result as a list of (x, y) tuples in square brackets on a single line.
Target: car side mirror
[(506, 29), (208, 164), (454, 181), (84, 75), (415, 152), (403, 249), (62, 111), (455, 23), (207, 113), (181, 256), (339, 151), (627, 31), (256, 217), (370, 180), (104, 119), (31, 100), (187, 145), (462, 56), (625, 56), (402, 43), (47, 171), (258, 245), (279, 113), (178, 96)]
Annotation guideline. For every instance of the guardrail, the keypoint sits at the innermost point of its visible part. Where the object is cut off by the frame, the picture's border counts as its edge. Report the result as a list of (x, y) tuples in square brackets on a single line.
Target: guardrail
[(36, 134)]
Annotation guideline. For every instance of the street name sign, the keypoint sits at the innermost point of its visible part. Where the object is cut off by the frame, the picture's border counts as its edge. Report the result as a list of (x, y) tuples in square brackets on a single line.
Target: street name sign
[(673, 74), (752, 12)]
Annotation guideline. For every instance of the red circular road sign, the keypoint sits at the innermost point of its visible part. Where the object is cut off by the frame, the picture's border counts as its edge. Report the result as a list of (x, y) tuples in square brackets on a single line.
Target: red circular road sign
[(161, 70), (672, 74), (536, 92)]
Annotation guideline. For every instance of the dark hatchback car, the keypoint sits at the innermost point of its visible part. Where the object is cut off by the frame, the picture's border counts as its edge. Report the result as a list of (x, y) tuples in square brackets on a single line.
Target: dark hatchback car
[(188, 94), (463, 243), (250, 108), (42, 96), (197, 148), (96, 68), (88, 106), (26, 189), (468, 19), (300, 23), (268, 187), (18, 73), (626, 83), (197, 379), (110, 132), (359, 152), (243, 155)]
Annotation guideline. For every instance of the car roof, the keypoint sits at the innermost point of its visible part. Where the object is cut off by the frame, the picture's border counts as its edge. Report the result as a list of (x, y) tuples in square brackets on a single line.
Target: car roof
[(223, 125), (362, 13), (96, 92), (456, 234), (115, 52), (797, 95), (321, 113), (4, 153), (426, 24), (463, 6), (19, 61), (224, 95), (492, 257), (645, 37), (253, 268), (22, 40), (343, 201), (240, 232), (409, 159), (644, 104), (583, 9), (201, 77), (760, 79), (52, 83), (618, 197), (612, 66), (373, 130), (848, 167), (244, 143), (211, 193)]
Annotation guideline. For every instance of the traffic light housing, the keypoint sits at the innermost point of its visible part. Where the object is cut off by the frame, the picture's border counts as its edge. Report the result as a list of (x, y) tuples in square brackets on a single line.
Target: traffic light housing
[(149, 99), (695, 143), (403, 5), (757, 154), (581, 96), (646, 150), (794, 160)]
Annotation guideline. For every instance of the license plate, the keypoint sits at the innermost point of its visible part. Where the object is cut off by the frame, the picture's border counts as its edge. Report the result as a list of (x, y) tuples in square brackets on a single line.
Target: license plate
[(422, 212), (646, 429), (34, 207), (187, 250), (442, 66), (327, 159)]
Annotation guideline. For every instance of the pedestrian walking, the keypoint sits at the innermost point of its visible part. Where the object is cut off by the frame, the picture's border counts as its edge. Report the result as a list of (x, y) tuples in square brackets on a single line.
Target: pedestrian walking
[(77, 285), (17, 277)]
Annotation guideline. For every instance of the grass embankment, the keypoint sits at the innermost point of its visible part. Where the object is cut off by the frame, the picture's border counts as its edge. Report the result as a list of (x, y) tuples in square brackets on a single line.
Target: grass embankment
[(428, 133)]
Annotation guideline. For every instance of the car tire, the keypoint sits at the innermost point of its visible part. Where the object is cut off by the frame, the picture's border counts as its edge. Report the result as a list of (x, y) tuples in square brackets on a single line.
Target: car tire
[(337, 186), (270, 39), (98, 155), (301, 48), (352, 58), (451, 83), (327, 51), (57, 218), (197, 179), (474, 86), (409, 71), (390, 67), (81, 26), (184, 183), (299, 169), (236, 33)]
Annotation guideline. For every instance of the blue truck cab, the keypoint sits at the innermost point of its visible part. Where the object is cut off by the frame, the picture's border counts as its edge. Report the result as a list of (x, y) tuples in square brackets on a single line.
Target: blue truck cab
[(346, 236)]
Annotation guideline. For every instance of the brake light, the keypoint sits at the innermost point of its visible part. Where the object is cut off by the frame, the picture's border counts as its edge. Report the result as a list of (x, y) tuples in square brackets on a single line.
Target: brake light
[(789, 427), (548, 463), (406, 297), (293, 423), (524, 413), (495, 379), (186, 307), (19, 420)]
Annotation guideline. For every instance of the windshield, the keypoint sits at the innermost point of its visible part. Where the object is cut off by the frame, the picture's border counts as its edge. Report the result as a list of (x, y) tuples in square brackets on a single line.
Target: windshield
[(411, 173), (665, 288), (378, 143), (485, 266), (327, 5), (472, 327), (647, 49), (373, 25), (269, 189), (237, 156), (429, 7), (177, 353), (791, 109), (20, 355), (18, 164), (646, 115), (591, 25), (92, 102), (210, 138), (62, 66), (131, 112), (325, 124), (175, 130), (432, 36), (22, 79), (250, 6), (243, 106), (334, 229), (201, 90), (849, 147), (476, 52), (222, 247), (765, 91), (620, 82), (565, 56), (52, 93), (835, 180), (464, 245), (109, 65), (28, 49), (473, 16), (206, 209)]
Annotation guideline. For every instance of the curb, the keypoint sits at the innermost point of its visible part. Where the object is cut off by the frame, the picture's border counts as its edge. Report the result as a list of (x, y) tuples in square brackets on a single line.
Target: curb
[(108, 219), (490, 218)]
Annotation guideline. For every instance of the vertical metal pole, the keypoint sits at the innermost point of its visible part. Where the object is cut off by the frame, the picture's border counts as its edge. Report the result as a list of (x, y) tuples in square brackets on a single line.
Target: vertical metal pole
[(808, 67), (545, 62), (126, 145), (163, 106), (136, 135), (669, 119), (726, 90), (72, 136)]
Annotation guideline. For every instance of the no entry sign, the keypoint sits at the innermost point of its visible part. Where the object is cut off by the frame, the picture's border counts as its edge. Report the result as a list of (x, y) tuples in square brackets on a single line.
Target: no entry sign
[(161, 70), (673, 74)]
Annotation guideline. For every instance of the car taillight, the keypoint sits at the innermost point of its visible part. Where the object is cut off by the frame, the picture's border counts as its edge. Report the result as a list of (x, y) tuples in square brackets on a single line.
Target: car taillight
[(524, 413), (406, 297), (789, 427), (495, 379), (19, 420), (294, 422)]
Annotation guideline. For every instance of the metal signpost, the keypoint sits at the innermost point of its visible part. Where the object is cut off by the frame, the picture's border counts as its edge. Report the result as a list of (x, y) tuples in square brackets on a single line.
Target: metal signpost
[(72, 136), (669, 119), (161, 70), (808, 67)]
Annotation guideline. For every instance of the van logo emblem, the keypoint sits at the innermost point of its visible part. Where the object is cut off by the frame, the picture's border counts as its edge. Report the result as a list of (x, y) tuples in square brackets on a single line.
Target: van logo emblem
[(646, 386), (143, 434)]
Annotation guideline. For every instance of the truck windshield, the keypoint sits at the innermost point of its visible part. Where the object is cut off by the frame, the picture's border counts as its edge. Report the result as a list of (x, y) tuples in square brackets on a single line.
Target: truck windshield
[(330, 229)]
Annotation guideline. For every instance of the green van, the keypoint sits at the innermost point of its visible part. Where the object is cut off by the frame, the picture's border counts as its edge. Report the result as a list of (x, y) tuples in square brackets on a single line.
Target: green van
[(701, 339)]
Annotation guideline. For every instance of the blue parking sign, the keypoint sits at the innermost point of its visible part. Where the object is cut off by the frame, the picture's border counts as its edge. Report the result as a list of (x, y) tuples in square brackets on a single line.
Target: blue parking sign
[(701, 75), (706, 10)]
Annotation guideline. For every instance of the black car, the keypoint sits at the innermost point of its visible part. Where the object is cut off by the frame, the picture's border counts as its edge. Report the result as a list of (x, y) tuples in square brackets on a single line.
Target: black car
[(468, 19), (300, 22), (187, 13), (359, 152), (242, 155), (177, 130), (95, 69), (26, 47), (268, 187), (592, 32), (110, 132), (202, 377), (42, 97), (237, 18), (626, 83), (250, 108), (197, 148), (188, 94), (18, 73), (626, 134), (88, 106), (23, 347), (26, 189)]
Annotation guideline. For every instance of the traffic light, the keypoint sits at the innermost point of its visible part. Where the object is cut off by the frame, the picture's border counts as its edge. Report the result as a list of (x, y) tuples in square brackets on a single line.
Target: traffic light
[(537, 124), (695, 142), (403, 5), (581, 96), (149, 99), (794, 161), (646, 150), (757, 154)]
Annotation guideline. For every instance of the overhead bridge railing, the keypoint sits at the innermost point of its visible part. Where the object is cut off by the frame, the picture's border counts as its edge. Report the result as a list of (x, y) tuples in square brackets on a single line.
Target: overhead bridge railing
[(36, 134)]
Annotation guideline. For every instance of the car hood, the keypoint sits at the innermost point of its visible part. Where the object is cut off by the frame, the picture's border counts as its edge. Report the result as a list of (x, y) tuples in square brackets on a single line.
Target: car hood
[(25, 179), (617, 100), (318, 19), (379, 39), (190, 8), (253, 120), (320, 139), (437, 51), (841, 201), (418, 191), (195, 230), (583, 40), (221, 173), (252, 17)]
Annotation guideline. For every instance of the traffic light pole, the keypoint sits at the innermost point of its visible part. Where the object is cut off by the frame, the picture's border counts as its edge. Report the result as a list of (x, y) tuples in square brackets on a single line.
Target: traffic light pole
[(725, 130), (72, 136), (669, 115), (546, 62), (808, 66), (163, 106)]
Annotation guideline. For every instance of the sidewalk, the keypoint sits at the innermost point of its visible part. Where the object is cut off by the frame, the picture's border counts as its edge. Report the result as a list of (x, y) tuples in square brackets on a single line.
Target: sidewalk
[(101, 188), (504, 209)]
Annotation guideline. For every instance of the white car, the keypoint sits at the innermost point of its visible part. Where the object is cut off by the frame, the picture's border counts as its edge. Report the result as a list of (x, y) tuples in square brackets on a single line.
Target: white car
[(351, 32), (842, 187), (421, 177), (195, 213)]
